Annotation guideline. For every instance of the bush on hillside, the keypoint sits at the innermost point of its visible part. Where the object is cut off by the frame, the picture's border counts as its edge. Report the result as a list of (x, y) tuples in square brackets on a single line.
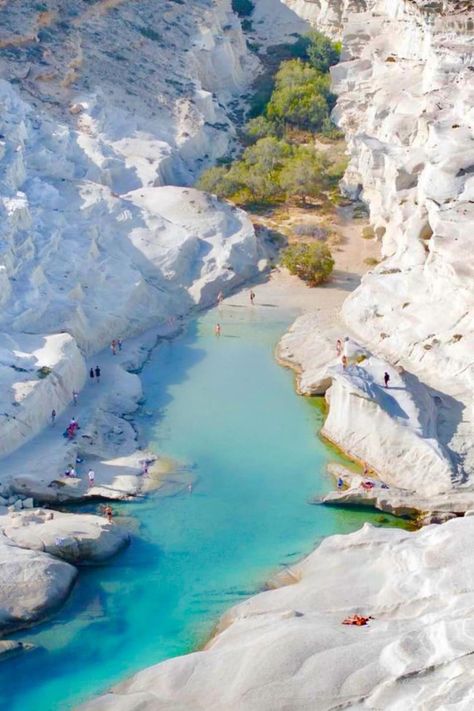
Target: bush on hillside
[(301, 97), (313, 262), (322, 53), (242, 8), (260, 127), (215, 180)]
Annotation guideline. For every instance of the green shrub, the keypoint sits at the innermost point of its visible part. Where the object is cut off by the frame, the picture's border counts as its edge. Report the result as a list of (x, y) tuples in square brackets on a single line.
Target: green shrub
[(261, 127), (150, 34), (313, 262), (269, 170), (43, 372), (214, 180), (301, 96), (298, 106), (331, 131), (302, 175), (371, 261), (242, 8), (322, 53)]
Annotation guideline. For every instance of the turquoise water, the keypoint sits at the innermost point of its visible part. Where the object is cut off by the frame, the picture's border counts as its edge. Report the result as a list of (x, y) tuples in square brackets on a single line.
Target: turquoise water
[(229, 414)]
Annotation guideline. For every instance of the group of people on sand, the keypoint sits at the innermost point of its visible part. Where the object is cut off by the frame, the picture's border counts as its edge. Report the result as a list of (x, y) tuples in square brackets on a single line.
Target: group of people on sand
[(366, 483), (72, 473), (340, 354), (220, 299)]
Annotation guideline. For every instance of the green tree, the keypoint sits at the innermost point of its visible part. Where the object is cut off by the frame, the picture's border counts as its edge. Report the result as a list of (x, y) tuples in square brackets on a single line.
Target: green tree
[(267, 154), (301, 97), (322, 53), (262, 164), (297, 73), (311, 262), (261, 126), (303, 174), (298, 106)]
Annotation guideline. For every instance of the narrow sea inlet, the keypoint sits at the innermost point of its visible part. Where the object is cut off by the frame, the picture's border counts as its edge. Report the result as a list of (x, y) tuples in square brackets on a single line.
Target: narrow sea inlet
[(224, 409)]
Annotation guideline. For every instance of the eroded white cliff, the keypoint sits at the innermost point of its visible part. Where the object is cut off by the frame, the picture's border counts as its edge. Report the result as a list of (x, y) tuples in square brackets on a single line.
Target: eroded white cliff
[(405, 89), (101, 106)]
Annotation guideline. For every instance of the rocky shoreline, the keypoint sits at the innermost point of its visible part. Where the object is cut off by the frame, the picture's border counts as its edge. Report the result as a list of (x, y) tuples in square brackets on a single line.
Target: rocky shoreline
[(392, 431)]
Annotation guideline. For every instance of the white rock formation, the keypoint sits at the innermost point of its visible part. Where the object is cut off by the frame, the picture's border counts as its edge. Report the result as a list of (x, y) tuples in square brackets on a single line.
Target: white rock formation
[(397, 430), (405, 94), (393, 429), (411, 158), (32, 584), (310, 356), (76, 538), (92, 245), (9, 648), (27, 397), (288, 648), (37, 548)]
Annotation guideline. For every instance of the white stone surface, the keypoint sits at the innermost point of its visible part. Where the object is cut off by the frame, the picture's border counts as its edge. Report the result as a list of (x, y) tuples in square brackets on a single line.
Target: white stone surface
[(93, 244), (76, 538), (288, 649), (32, 584), (405, 94), (394, 429)]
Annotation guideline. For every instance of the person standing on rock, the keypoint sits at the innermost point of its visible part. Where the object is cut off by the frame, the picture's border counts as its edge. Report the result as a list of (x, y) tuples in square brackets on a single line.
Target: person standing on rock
[(53, 417), (91, 374), (252, 296), (109, 513), (97, 374), (119, 343), (75, 395), (91, 477), (217, 329), (338, 347), (113, 346), (220, 298), (386, 378), (344, 362)]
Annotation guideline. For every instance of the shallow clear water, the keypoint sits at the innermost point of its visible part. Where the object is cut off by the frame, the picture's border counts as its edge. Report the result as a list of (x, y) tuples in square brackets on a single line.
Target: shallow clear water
[(228, 413)]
